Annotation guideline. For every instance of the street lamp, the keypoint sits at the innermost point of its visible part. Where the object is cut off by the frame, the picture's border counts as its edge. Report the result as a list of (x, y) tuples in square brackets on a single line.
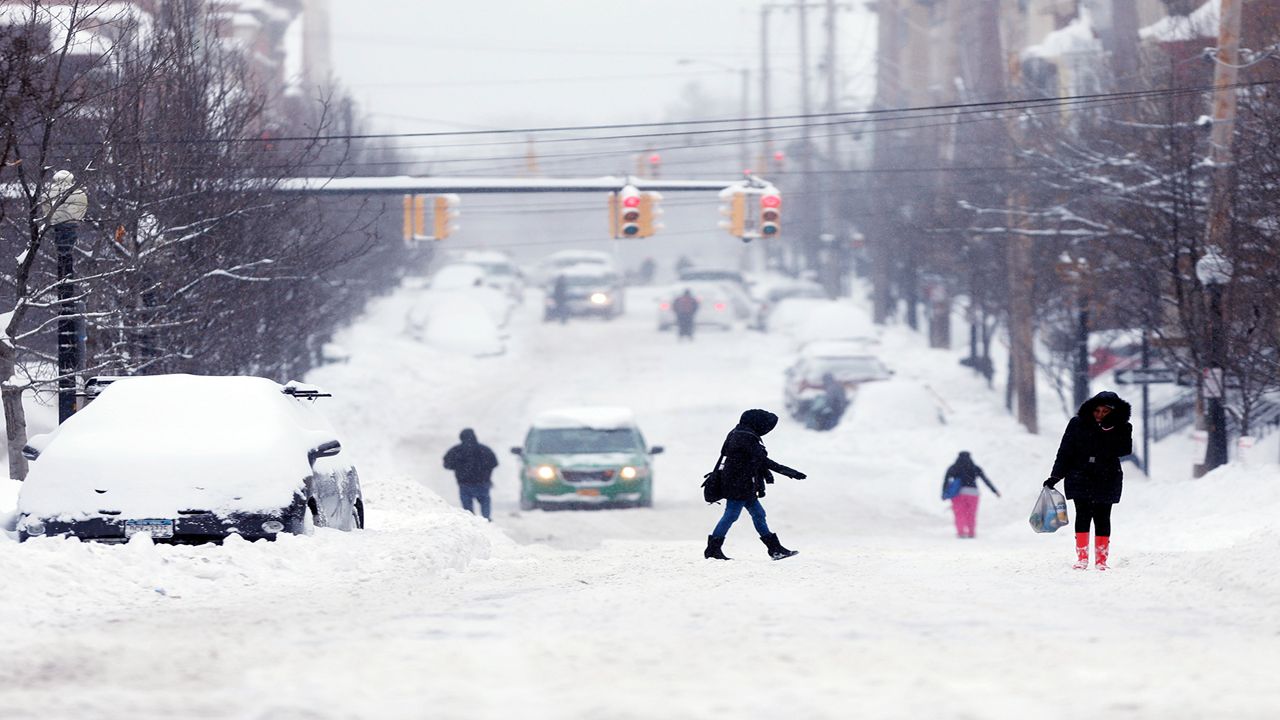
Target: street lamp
[(1214, 271), (745, 112), (68, 206)]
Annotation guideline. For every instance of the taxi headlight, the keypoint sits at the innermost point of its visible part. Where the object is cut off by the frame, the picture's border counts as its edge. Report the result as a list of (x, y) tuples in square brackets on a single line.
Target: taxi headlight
[(628, 473), (545, 473)]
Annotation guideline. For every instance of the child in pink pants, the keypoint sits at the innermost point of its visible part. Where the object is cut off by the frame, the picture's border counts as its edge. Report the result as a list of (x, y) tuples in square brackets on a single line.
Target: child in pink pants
[(960, 485)]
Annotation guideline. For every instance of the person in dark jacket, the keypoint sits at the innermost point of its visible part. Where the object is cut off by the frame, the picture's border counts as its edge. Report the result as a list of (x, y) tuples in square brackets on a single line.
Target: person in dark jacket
[(1089, 460), (745, 470), (685, 306), (472, 464), (964, 503), (826, 410)]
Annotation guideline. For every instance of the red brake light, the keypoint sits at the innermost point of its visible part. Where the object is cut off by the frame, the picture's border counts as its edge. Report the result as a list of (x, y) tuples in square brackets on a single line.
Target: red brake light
[(664, 306), (719, 306)]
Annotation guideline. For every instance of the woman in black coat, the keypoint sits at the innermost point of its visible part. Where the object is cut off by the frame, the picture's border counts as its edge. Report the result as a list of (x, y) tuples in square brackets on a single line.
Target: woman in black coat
[(1089, 459), (744, 473)]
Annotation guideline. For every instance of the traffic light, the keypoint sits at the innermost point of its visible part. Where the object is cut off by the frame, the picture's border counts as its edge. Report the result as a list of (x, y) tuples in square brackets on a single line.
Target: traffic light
[(629, 212), (445, 211), (770, 212), (415, 218), (649, 213), (735, 209)]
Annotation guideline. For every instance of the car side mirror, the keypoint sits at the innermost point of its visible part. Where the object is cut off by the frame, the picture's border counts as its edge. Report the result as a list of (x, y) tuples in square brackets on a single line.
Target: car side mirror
[(656, 450), (517, 451), (35, 445), (324, 449)]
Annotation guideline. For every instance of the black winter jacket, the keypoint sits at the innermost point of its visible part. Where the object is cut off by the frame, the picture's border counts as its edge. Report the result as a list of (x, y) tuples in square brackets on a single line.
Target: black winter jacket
[(1089, 454), (470, 461), (747, 465), (968, 472)]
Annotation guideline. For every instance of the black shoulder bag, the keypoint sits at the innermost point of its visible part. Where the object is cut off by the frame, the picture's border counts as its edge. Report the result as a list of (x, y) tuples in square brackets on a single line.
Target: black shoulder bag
[(713, 484)]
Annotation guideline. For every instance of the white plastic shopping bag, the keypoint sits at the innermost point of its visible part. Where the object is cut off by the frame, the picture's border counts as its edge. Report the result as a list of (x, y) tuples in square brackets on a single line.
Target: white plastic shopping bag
[(1050, 511)]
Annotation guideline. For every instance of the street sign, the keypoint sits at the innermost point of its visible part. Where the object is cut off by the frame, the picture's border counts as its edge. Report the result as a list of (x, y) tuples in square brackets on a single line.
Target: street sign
[(1146, 376)]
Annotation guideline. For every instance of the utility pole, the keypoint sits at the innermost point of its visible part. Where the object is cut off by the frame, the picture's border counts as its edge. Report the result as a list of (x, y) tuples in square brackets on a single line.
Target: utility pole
[(1227, 60), (887, 93), (808, 239), (766, 134)]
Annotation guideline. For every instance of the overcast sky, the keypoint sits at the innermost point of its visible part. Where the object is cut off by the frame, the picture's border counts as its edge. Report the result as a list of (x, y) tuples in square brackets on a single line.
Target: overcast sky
[(423, 65)]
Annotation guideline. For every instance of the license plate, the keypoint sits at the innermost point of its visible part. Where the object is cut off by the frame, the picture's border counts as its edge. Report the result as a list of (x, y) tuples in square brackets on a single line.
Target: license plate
[(152, 527), (590, 492)]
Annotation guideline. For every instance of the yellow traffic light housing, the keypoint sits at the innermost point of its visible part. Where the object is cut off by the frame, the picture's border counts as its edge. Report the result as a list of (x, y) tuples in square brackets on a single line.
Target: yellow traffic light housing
[(649, 214), (415, 218), (444, 212), (735, 210)]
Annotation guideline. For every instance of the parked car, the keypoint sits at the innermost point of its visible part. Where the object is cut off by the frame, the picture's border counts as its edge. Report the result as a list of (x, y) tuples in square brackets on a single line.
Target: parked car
[(552, 265), (592, 289), (719, 305), (499, 270), (804, 377), (190, 459), (694, 273), (770, 296), (585, 457)]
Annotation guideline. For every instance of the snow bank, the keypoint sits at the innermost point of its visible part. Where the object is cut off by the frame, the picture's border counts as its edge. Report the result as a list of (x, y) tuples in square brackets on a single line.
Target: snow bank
[(810, 319), (1201, 23)]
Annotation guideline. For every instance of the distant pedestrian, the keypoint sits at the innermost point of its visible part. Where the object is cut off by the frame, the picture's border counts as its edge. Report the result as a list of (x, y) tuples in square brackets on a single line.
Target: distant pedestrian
[(745, 471), (647, 270), (826, 409), (685, 306), (1089, 459), (964, 503), (472, 464), (560, 299)]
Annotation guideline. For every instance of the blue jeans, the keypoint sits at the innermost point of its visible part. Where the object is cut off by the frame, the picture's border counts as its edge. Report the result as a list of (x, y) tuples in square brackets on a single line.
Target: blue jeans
[(733, 508), (473, 492)]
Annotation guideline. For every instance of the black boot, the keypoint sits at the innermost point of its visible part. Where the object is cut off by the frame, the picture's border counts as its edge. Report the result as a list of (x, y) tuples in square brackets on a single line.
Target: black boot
[(776, 551), (714, 551)]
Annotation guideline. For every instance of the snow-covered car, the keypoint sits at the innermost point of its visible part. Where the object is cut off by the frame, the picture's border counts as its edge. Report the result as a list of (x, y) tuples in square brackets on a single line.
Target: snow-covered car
[(500, 271), (188, 459), (767, 297), (695, 273), (548, 268), (585, 457), (590, 289), (804, 377), (719, 305)]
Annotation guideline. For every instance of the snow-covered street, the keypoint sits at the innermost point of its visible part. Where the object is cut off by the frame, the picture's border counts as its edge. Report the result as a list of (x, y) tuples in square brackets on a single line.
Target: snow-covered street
[(431, 613)]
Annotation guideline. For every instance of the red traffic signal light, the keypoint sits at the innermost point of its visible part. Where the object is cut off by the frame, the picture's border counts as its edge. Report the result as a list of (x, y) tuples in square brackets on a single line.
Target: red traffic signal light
[(628, 212), (770, 213)]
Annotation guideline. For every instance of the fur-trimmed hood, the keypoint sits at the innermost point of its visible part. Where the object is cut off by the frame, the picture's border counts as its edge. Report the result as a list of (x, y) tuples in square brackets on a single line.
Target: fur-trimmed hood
[(1120, 410)]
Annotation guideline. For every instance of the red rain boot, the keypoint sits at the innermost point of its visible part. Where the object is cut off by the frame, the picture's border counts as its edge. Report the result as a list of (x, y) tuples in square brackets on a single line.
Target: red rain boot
[(1101, 549), (1082, 551)]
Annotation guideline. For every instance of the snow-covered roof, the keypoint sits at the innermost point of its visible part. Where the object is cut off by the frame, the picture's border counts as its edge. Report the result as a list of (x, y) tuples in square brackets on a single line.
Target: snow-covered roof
[(587, 269), (1077, 37), (149, 446), (596, 418), (1200, 23)]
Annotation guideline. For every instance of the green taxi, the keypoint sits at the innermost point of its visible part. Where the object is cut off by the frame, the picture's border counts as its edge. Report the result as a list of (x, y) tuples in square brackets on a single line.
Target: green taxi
[(584, 458)]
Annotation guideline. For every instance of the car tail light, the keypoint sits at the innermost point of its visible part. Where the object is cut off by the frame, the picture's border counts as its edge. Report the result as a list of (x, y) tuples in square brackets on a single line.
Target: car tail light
[(719, 307), (664, 306)]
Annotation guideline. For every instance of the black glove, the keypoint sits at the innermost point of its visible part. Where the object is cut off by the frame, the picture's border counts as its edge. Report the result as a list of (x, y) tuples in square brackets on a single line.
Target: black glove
[(799, 475), (1051, 482)]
